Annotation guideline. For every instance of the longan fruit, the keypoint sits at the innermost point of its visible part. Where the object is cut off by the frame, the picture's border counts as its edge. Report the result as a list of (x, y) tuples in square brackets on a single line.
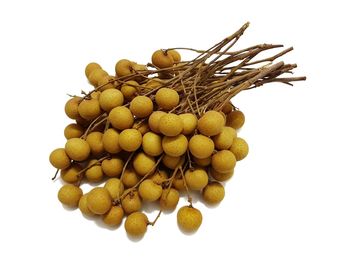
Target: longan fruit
[(201, 146), (153, 83), (211, 123), (189, 218), (71, 173), (136, 224), (213, 193), (170, 124), (89, 109), (159, 177), (196, 179), (190, 123), (73, 130), (162, 59), (112, 167), (172, 162), (69, 195), (143, 127), (153, 120), (175, 54), (130, 89), (110, 141), (71, 107), (223, 161), (91, 67), (239, 148), (83, 206), (121, 118), (202, 162), (131, 202), (59, 159), (94, 173), (123, 67), (138, 69), (143, 164), (99, 201), (77, 149), (150, 191), (130, 140), (152, 144), (227, 108), (95, 95), (223, 140), (111, 98), (141, 106), (115, 187), (220, 176), (169, 199), (96, 75), (167, 99), (114, 216), (235, 119), (179, 183), (105, 83), (130, 178), (175, 146), (94, 139)]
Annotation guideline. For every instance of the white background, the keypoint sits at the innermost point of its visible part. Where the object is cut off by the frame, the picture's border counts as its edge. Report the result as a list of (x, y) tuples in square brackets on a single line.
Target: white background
[(288, 201)]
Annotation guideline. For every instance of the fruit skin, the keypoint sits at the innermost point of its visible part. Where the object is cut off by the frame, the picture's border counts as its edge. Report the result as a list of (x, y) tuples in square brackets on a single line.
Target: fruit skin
[(110, 99), (130, 140), (73, 130), (94, 139), (70, 195), (176, 55), (189, 218), (170, 124), (83, 206), (211, 123), (167, 98), (71, 107), (123, 67), (91, 67), (131, 203), (89, 109), (59, 159), (71, 173), (141, 106), (121, 118), (196, 179), (136, 224), (213, 193), (227, 108), (94, 174), (150, 191), (143, 164), (112, 167), (153, 120), (223, 140), (110, 141), (115, 187), (169, 199), (159, 177), (96, 75), (129, 89), (201, 146), (130, 178), (235, 119), (223, 161), (202, 162), (152, 144), (162, 59), (239, 148), (171, 162), (220, 176), (105, 83), (114, 216), (99, 201), (77, 149), (175, 146), (190, 123)]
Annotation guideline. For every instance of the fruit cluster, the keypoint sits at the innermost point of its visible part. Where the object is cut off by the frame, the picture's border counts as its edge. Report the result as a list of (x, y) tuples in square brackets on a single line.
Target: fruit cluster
[(156, 130)]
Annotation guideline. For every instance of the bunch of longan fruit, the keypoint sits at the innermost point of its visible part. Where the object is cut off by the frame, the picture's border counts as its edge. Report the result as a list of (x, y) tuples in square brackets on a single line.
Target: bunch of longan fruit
[(128, 135)]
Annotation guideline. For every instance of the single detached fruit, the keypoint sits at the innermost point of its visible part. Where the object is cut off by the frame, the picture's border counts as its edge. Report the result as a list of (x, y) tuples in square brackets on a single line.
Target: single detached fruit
[(189, 218)]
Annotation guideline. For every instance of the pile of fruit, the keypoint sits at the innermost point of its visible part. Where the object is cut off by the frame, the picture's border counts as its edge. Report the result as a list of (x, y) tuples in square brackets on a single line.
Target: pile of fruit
[(150, 132)]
